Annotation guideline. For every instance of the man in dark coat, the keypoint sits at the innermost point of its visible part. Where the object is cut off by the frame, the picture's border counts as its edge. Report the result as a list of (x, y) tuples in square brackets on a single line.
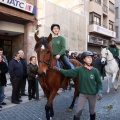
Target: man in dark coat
[(96, 61), (16, 74), (24, 63), (3, 81)]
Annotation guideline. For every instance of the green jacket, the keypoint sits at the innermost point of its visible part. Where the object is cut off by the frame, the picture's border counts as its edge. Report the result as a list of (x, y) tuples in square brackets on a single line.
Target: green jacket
[(89, 81), (114, 50), (58, 45)]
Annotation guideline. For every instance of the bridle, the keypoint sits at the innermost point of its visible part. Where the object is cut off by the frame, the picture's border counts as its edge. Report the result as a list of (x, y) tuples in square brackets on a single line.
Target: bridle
[(106, 57), (48, 63)]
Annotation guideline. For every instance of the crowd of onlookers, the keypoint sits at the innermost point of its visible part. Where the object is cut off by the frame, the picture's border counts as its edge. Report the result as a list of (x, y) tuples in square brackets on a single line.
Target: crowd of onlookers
[(19, 71), (96, 60)]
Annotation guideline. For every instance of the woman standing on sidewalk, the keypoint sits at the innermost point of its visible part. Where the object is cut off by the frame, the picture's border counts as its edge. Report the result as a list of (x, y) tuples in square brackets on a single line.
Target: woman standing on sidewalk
[(32, 69), (3, 71)]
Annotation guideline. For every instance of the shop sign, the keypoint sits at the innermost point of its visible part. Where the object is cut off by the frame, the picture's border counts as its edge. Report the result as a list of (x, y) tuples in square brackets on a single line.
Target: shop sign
[(104, 31), (19, 4)]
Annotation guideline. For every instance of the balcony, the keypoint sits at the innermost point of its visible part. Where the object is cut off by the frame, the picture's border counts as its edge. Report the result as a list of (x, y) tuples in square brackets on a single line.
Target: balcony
[(98, 41), (93, 28), (105, 9)]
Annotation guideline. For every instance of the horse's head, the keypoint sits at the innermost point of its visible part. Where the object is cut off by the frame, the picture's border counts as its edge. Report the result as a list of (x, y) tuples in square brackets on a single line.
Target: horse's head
[(106, 55), (44, 53)]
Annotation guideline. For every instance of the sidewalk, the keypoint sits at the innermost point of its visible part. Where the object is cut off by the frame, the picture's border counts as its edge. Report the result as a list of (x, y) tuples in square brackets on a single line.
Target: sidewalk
[(8, 93)]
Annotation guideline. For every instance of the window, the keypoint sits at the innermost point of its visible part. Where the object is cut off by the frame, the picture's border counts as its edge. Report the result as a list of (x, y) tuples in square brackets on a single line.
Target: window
[(95, 19), (117, 31), (111, 7), (116, 12), (111, 25), (98, 1)]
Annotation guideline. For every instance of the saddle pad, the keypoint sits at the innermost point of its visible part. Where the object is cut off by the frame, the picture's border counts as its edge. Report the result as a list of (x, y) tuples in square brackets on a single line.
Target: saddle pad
[(71, 65)]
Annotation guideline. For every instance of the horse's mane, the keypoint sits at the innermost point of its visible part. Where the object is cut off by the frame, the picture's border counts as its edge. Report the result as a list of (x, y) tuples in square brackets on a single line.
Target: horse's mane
[(41, 41)]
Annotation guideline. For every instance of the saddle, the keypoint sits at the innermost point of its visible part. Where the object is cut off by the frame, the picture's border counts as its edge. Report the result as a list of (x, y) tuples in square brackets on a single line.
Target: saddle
[(60, 64)]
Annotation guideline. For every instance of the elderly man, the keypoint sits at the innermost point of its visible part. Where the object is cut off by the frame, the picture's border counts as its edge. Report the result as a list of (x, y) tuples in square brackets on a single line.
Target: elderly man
[(24, 63), (16, 75)]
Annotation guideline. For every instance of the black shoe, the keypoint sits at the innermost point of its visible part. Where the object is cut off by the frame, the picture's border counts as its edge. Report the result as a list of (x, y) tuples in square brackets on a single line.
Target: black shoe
[(3, 103), (24, 94), (29, 98), (33, 97), (0, 108), (15, 102), (92, 116), (19, 100), (76, 118)]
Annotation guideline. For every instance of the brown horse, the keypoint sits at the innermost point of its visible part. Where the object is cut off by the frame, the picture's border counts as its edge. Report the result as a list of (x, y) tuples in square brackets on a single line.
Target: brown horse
[(50, 79)]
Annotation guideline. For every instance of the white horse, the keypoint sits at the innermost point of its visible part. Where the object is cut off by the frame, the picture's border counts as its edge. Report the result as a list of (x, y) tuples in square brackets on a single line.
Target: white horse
[(111, 68)]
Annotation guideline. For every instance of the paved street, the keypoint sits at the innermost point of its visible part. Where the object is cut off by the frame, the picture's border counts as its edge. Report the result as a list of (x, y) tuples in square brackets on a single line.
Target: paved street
[(34, 110)]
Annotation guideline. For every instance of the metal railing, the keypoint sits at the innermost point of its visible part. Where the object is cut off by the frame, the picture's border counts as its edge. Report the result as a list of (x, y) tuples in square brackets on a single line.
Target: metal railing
[(96, 40), (94, 22), (105, 8)]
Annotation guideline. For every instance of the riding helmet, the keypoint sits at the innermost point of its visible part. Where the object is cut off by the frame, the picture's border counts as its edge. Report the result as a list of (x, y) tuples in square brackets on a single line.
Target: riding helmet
[(113, 39), (85, 54), (94, 53), (53, 25)]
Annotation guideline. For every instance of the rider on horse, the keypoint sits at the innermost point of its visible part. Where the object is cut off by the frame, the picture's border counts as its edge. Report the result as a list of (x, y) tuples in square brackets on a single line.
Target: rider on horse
[(59, 46), (89, 84), (114, 50)]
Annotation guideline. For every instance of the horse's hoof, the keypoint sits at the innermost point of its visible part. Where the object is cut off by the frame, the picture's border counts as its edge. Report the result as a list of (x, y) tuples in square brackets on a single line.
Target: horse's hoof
[(70, 110), (51, 118), (108, 92)]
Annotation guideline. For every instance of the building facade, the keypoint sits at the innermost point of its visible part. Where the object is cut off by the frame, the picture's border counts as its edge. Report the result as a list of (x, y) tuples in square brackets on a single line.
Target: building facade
[(17, 26), (101, 22)]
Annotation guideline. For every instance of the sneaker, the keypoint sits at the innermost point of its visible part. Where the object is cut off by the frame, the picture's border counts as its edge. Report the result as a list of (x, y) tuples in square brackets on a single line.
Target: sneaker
[(3, 103)]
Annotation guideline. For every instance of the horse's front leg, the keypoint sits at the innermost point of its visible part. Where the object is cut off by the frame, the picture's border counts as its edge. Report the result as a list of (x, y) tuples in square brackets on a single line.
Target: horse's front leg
[(49, 105), (108, 90), (113, 80)]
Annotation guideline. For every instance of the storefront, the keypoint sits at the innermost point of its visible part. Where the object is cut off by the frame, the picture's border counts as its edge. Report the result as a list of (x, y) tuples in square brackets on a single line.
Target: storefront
[(99, 37), (17, 26)]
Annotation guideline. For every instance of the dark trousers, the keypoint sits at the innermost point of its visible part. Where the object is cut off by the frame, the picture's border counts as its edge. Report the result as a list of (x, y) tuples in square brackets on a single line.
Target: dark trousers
[(15, 89), (65, 61), (31, 88), (22, 86)]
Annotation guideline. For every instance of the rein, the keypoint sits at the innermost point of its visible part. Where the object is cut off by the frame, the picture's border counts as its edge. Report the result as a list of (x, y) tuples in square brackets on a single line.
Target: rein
[(48, 63)]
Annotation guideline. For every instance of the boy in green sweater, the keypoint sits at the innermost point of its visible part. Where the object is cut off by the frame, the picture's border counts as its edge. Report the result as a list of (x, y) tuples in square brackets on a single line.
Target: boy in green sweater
[(59, 46), (89, 84)]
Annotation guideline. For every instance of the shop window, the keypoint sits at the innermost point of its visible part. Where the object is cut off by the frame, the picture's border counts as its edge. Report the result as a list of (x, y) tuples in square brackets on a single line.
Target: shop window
[(95, 19), (111, 25)]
